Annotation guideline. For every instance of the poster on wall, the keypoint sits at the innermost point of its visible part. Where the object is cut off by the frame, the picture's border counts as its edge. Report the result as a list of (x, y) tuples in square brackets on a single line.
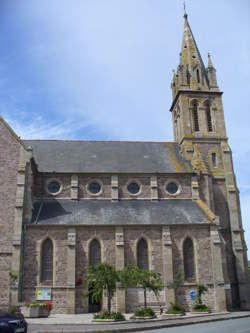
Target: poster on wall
[(43, 294)]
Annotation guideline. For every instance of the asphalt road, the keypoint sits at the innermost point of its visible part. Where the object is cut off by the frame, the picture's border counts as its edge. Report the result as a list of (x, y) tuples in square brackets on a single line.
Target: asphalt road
[(241, 325), (226, 326)]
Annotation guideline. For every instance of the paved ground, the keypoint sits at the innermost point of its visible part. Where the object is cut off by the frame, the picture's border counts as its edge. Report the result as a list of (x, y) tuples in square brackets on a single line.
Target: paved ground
[(238, 326), (227, 326)]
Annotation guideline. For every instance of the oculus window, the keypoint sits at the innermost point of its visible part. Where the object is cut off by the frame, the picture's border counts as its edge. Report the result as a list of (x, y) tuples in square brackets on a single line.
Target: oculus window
[(54, 187), (133, 188), (94, 188)]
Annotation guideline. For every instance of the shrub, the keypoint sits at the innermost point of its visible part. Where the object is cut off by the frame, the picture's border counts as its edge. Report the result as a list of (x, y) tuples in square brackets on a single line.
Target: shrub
[(116, 316), (201, 308), (145, 312), (176, 308)]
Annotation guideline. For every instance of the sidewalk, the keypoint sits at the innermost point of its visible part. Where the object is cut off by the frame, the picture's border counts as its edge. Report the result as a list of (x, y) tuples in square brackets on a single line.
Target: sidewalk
[(82, 323)]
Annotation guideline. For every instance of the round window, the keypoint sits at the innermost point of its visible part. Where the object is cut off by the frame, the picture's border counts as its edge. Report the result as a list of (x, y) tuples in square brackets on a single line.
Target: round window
[(133, 188), (54, 187), (172, 188), (94, 188)]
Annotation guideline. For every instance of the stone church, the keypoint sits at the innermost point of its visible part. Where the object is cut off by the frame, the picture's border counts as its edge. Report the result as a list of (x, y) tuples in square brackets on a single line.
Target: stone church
[(164, 206)]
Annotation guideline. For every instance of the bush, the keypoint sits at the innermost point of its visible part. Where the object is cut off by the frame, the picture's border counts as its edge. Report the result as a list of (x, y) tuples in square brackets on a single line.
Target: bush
[(145, 312), (116, 316), (201, 308), (176, 308)]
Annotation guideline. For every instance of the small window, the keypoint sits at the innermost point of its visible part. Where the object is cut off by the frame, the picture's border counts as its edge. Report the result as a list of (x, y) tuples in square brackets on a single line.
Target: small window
[(94, 188), (133, 188), (198, 75), (172, 188), (214, 160), (54, 187)]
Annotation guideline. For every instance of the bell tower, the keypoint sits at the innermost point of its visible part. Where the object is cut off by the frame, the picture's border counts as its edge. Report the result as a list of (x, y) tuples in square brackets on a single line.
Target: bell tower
[(199, 128)]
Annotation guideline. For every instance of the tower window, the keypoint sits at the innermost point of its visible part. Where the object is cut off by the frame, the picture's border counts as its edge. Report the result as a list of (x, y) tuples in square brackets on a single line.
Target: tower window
[(195, 116), (214, 160), (209, 119), (198, 75)]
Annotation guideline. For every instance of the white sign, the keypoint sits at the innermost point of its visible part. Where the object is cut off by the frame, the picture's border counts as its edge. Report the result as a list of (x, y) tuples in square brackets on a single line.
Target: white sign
[(43, 294), (227, 286)]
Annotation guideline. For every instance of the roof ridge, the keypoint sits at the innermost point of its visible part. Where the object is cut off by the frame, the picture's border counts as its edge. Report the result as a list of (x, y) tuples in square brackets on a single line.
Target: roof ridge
[(104, 141)]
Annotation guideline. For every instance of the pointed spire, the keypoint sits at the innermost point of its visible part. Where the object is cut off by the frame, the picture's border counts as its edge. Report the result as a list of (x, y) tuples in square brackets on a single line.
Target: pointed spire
[(210, 64)]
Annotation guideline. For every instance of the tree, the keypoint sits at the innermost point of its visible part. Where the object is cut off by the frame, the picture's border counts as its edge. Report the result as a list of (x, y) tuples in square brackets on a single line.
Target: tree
[(100, 278), (201, 290), (145, 279)]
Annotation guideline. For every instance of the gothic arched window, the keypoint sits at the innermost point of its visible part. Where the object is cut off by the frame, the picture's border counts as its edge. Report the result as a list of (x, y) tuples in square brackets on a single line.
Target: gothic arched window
[(94, 253), (194, 106), (209, 119), (142, 254), (47, 261), (188, 256)]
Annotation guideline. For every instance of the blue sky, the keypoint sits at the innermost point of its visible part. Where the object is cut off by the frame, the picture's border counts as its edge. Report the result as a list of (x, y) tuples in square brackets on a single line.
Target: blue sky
[(101, 69)]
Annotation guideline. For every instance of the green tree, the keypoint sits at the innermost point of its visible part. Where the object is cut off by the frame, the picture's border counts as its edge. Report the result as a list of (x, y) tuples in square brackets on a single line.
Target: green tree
[(145, 279), (201, 290), (100, 278)]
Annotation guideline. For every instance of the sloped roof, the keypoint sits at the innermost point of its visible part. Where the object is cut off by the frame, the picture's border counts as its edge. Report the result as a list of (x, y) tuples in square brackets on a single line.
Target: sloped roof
[(108, 157), (124, 212)]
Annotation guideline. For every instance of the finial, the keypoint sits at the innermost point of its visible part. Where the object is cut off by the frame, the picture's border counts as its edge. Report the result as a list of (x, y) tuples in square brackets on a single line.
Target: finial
[(185, 13)]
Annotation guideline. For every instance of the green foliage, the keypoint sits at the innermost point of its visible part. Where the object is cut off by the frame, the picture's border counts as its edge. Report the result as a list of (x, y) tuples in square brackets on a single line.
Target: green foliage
[(176, 282), (201, 308), (145, 279), (249, 273), (145, 312), (100, 278), (201, 290), (176, 308), (116, 316)]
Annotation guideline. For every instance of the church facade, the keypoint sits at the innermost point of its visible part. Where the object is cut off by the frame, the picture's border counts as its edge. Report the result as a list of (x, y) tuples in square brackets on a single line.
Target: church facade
[(164, 206)]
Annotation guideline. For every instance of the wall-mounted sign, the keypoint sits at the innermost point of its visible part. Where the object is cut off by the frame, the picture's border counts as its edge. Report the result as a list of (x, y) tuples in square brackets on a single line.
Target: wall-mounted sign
[(227, 286), (43, 294), (192, 294)]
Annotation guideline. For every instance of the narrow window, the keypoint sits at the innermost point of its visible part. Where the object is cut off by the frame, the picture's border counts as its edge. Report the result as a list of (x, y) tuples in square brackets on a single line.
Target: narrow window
[(188, 255), (47, 261), (94, 253), (195, 116), (209, 119), (198, 75), (142, 254), (214, 160)]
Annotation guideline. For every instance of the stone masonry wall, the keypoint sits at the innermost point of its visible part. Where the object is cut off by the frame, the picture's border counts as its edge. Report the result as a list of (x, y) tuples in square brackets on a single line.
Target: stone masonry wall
[(9, 159)]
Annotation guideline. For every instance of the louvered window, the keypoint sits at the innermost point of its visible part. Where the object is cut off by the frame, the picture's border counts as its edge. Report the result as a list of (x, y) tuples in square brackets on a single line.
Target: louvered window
[(142, 254), (47, 261), (195, 116), (209, 119)]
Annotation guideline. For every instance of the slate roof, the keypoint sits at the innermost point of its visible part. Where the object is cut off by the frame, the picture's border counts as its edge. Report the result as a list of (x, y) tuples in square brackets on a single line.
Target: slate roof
[(108, 157), (124, 212)]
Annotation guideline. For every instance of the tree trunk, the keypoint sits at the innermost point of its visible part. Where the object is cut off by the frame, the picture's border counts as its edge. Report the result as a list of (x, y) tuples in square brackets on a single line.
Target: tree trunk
[(109, 301), (145, 298)]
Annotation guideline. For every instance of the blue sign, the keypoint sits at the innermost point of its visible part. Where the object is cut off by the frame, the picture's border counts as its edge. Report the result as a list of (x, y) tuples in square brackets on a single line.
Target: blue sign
[(192, 294)]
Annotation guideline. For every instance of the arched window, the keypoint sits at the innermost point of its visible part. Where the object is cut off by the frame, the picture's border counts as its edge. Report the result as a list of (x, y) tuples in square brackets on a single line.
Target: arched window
[(142, 254), (47, 261), (188, 256), (194, 106), (94, 253), (209, 119)]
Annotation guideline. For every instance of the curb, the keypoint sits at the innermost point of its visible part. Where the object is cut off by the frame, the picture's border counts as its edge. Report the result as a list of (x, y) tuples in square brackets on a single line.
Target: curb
[(182, 322)]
